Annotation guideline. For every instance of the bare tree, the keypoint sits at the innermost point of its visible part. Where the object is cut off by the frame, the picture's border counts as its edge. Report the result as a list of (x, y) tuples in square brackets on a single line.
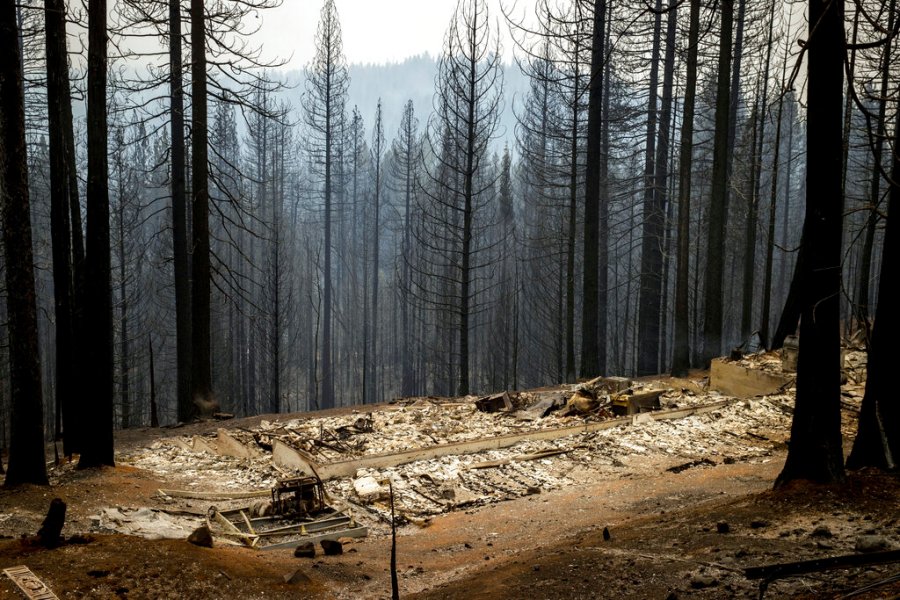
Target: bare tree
[(26, 450), (98, 415), (467, 104), (324, 106), (815, 452)]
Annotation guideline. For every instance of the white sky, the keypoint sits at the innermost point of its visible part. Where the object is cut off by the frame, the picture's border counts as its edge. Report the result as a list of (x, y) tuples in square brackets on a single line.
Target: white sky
[(374, 31)]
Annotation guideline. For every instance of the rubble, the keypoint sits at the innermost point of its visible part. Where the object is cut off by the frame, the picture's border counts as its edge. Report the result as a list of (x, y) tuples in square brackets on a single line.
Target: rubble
[(445, 454), (497, 456)]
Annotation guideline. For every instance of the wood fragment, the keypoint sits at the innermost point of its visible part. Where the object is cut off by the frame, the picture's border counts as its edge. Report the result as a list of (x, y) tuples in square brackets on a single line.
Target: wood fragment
[(28, 582), (192, 495), (487, 464)]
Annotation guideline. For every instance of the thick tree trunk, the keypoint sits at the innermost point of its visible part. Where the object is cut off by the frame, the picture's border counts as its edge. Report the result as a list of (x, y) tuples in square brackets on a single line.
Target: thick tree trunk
[(590, 341), (715, 247), (60, 230), (26, 448), (681, 358), (186, 408), (98, 415), (201, 375), (815, 451), (652, 226)]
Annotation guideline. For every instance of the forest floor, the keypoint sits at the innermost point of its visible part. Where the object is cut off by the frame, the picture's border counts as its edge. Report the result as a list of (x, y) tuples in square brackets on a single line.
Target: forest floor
[(682, 532)]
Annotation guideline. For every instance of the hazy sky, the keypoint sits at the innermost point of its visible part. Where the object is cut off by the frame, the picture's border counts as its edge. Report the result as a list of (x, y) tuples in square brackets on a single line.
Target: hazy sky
[(374, 31)]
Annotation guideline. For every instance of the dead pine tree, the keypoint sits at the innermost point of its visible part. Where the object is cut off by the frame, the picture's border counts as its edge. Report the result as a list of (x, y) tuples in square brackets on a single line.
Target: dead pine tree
[(26, 449), (323, 106), (467, 108), (98, 410), (62, 163), (877, 442), (715, 247), (815, 450), (681, 357), (596, 257)]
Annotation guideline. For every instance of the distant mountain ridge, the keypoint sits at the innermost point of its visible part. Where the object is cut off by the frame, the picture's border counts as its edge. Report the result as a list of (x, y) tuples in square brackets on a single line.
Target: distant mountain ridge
[(411, 79)]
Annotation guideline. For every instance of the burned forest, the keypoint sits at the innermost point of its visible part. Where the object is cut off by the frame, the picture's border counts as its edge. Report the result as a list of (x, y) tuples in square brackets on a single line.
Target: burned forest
[(454, 299)]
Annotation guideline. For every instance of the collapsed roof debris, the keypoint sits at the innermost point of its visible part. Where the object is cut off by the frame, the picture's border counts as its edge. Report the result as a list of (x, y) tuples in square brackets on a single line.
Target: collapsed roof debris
[(444, 454), (447, 452)]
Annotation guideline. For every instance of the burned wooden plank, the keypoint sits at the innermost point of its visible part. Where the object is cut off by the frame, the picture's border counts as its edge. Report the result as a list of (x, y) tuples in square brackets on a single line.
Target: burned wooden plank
[(28, 582), (224, 495), (779, 570)]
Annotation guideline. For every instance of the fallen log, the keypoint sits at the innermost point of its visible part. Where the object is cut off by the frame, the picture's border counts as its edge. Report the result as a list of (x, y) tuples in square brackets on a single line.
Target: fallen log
[(779, 570)]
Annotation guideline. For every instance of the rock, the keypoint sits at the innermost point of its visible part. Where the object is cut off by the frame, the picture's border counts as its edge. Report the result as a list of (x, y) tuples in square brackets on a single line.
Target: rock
[(332, 547), (722, 527), (701, 580), (531, 490), (606, 534), (821, 531), (297, 576), (369, 490), (201, 536), (305, 550), (759, 523), (872, 543)]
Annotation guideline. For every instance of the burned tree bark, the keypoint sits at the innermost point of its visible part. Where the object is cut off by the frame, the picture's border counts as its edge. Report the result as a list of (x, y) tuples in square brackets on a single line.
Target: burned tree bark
[(26, 448), (98, 414), (815, 451), (654, 220), (186, 408), (877, 442), (715, 247), (593, 347), (58, 97)]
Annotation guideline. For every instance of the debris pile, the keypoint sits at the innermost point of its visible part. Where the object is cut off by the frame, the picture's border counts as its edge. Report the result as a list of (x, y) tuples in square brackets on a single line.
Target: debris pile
[(448, 454)]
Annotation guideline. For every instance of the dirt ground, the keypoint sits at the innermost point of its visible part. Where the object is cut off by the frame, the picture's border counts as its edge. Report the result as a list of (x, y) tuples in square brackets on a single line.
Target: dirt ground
[(671, 535)]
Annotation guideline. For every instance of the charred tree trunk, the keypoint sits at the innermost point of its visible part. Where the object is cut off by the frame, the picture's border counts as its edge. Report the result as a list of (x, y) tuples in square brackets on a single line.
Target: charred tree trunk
[(98, 415), (681, 358), (655, 219), (648, 323), (815, 451), (186, 408), (26, 448), (877, 442), (60, 228), (865, 266), (590, 340), (201, 375), (715, 247)]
